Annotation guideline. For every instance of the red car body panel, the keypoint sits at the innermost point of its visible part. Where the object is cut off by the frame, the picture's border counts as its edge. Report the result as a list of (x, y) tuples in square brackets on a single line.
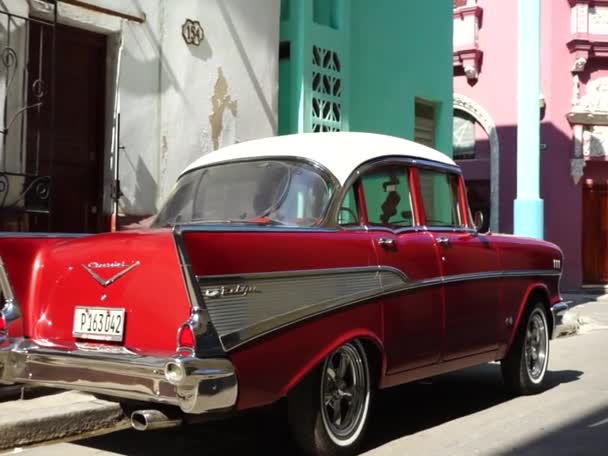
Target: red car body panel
[(452, 297), (55, 282), (268, 368), (20, 254), (245, 252)]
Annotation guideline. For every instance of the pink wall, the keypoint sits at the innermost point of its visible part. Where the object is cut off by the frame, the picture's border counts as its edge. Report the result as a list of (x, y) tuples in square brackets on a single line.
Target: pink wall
[(496, 91)]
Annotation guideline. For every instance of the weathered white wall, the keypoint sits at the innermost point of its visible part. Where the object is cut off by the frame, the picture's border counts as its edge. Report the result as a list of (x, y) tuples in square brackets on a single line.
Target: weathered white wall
[(225, 90), (180, 101), (11, 78)]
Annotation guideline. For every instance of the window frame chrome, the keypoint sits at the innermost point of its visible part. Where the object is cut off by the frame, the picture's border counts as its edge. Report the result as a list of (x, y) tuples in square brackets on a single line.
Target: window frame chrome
[(401, 161)]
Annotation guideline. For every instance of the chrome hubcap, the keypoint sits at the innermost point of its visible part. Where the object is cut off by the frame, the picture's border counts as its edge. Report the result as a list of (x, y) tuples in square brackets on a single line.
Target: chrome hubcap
[(344, 393), (536, 345)]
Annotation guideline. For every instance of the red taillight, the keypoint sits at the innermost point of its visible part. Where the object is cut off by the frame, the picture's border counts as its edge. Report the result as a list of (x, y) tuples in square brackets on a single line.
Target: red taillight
[(185, 337), (3, 324)]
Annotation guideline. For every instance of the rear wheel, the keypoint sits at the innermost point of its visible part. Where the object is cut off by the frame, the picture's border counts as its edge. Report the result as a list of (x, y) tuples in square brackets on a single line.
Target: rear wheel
[(525, 366), (328, 411)]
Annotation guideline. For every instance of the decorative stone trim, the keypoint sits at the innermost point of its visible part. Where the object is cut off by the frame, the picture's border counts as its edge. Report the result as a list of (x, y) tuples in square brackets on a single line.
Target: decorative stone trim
[(589, 120), (467, 21), (474, 109), (589, 32)]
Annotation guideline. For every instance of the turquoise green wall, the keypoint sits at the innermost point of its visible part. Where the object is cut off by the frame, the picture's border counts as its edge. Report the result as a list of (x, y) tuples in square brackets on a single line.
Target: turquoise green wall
[(401, 50), (391, 52)]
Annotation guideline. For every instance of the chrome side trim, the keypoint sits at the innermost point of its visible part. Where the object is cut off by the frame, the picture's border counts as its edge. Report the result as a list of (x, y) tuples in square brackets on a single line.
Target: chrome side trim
[(282, 298), (285, 298), (246, 228), (44, 235), (208, 384), (10, 308), (207, 341)]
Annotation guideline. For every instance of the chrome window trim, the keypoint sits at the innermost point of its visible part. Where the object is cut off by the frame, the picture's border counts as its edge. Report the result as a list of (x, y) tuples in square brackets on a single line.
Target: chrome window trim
[(44, 235), (11, 309), (388, 161), (235, 339), (245, 228)]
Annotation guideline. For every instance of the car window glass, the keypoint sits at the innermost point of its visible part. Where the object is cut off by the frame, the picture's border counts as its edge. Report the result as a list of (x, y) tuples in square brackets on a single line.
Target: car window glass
[(349, 213), (440, 198), (257, 191), (387, 198)]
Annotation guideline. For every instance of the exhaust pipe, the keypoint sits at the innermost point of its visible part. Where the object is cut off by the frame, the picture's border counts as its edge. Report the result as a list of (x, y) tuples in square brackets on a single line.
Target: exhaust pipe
[(149, 420)]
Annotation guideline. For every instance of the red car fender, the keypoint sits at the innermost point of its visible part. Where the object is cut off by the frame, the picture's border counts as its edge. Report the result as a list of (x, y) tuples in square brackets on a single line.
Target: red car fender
[(533, 287), (359, 333), (268, 368)]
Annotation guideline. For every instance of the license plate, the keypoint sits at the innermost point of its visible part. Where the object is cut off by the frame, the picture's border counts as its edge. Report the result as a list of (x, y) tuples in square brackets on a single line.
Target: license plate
[(99, 323)]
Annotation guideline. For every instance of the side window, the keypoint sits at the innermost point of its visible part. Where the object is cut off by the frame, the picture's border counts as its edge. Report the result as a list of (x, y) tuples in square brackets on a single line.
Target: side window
[(349, 212), (387, 198), (440, 198)]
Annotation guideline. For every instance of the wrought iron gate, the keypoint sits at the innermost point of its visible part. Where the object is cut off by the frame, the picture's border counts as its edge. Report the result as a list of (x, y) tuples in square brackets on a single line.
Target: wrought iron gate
[(28, 88)]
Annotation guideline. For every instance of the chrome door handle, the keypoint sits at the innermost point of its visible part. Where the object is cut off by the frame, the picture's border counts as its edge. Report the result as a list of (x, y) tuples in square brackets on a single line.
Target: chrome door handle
[(443, 240), (387, 243)]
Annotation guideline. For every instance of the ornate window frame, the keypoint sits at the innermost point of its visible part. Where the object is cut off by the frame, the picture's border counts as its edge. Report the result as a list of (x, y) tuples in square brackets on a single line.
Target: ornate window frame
[(589, 32), (474, 109), (589, 120), (467, 54)]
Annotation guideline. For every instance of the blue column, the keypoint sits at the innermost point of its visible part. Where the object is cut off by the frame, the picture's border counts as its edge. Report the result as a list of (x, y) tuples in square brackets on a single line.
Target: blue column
[(528, 207)]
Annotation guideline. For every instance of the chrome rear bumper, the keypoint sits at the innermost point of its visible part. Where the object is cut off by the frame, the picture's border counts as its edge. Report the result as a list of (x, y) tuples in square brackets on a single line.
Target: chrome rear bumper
[(205, 385)]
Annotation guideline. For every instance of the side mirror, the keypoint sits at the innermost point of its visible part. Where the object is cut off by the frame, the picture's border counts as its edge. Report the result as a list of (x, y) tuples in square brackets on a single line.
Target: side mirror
[(478, 220)]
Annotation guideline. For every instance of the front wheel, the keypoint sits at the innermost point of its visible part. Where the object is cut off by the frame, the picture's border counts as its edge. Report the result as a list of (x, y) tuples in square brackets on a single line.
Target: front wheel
[(525, 366), (328, 411)]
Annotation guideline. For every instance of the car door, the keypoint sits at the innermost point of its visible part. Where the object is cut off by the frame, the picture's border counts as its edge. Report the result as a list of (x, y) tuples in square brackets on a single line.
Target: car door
[(469, 266), (412, 313)]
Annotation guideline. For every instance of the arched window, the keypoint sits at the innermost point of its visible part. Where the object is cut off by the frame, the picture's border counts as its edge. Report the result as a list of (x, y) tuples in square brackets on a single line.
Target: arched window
[(463, 138)]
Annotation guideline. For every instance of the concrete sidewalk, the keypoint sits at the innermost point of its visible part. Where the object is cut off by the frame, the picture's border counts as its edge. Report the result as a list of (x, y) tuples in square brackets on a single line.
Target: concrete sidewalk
[(53, 417)]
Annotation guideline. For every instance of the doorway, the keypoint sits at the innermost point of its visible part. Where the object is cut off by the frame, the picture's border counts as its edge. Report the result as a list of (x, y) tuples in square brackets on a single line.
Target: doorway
[(595, 234), (65, 139)]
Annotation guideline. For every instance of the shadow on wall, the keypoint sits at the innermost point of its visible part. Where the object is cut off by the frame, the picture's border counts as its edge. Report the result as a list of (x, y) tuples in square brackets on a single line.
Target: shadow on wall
[(168, 79), (248, 9), (555, 155), (146, 188)]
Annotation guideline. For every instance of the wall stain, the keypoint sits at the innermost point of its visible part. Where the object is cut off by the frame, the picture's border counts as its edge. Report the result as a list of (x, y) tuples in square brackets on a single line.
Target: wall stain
[(220, 101)]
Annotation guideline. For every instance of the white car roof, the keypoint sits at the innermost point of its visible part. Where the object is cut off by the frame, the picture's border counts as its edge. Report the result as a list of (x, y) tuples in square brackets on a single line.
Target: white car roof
[(340, 152)]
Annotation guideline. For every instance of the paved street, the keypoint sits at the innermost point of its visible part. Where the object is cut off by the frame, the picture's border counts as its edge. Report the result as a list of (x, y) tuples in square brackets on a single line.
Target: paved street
[(465, 413)]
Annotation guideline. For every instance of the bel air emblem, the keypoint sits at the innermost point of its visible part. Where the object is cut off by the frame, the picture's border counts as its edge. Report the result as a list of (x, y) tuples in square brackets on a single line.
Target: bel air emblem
[(229, 290), (123, 267)]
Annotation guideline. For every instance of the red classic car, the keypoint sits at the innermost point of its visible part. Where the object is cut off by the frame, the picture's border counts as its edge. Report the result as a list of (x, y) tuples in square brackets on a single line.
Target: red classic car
[(314, 267)]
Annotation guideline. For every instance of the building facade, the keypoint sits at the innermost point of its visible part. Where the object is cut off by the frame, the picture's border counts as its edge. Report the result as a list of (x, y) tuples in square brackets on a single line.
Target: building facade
[(573, 109), (96, 92), (177, 78)]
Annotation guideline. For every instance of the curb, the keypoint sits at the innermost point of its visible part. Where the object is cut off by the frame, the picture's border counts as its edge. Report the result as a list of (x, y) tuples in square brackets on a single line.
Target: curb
[(58, 416)]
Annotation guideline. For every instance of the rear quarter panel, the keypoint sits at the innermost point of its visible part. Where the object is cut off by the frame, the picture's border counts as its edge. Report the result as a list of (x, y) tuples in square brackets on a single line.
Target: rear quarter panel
[(20, 254), (269, 365)]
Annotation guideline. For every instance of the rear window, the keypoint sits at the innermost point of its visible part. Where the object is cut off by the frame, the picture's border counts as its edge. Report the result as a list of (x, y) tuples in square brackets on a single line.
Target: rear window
[(260, 191)]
